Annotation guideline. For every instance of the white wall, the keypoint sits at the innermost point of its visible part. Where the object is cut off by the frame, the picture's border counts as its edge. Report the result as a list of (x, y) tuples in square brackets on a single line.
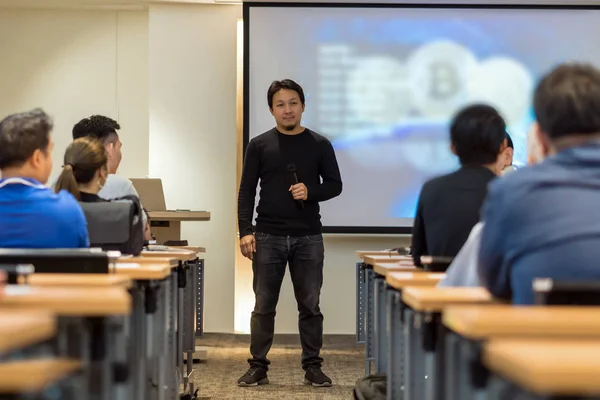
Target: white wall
[(169, 77), (192, 97), (74, 64)]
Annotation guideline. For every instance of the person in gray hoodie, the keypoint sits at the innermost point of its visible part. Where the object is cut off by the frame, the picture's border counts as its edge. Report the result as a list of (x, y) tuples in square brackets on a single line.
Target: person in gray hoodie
[(541, 222)]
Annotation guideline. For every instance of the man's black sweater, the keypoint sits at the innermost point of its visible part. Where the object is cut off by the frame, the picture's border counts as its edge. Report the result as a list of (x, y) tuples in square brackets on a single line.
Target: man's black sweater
[(267, 159), (449, 206)]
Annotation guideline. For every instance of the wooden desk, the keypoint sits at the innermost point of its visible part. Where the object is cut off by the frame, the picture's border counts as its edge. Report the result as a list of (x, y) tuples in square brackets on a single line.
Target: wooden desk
[(401, 280), (144, 271), (423, 315), (479, 322), (166, 225), (79, 280), (68, 301), (19, 329), (384, 268), (360, 254), (34, 375), (372, 260), (171, 261), (195, 249), (180, 255), (547, 366), (436, 299)]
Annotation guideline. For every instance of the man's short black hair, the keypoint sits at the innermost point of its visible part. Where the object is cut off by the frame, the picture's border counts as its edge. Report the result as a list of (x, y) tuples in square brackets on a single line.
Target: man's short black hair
[(276, 86), (477, 133), (21, 135), (567, 101), (509, 142), (97, 126)]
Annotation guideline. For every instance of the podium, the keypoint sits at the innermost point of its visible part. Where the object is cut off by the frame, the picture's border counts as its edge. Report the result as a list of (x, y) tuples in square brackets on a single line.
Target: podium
[(164, 224)]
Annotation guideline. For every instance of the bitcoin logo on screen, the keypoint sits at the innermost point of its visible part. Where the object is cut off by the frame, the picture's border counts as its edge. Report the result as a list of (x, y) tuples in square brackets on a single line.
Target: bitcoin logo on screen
[(438, 74), (444, 81)]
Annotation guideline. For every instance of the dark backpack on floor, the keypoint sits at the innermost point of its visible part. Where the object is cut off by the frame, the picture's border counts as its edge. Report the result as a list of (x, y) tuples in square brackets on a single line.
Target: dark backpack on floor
[(372, 387)]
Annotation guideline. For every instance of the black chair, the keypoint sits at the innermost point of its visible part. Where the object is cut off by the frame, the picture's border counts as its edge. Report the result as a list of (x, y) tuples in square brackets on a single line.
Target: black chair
[(86, 261), (577, 293), (436, 263), (14, 271)]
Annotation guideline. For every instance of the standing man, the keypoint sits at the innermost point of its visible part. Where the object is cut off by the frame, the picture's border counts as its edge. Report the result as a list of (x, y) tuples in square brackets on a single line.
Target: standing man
[(297, 169)]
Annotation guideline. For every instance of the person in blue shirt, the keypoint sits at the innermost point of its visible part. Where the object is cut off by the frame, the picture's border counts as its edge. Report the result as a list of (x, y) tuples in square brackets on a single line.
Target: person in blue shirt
[(32, 215), (542, 222)]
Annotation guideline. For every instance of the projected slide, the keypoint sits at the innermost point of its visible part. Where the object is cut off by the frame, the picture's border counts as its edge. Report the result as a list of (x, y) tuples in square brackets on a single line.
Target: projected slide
[(383, 84)]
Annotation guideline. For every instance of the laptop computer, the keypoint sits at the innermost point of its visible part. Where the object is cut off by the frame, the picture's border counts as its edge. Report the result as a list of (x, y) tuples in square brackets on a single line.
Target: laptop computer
[(151, 193)]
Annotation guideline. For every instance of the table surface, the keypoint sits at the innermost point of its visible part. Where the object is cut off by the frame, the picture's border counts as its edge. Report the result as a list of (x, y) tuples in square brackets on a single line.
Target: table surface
[(68, 300), (547, 366), (34, 375), (401, 280), (20, 328), (479, 322), (436, 299)]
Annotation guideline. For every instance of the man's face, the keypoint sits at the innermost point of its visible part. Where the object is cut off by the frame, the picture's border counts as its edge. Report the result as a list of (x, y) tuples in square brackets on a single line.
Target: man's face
[(287, 109), (41, 163), (113, 150)]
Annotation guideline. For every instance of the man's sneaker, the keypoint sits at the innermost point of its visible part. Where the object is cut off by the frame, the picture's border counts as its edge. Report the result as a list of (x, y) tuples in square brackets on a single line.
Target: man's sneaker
[(314, 376), (253, 377)]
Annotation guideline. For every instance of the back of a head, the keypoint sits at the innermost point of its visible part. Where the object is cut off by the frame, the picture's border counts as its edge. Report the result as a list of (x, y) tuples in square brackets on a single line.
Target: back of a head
[(567, 101), (477, 133), (83, 158), (21, 135), (96, 126)]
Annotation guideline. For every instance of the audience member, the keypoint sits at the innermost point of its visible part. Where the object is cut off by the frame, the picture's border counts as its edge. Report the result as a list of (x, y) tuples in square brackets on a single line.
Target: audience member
[(85, 170), (449, 205), (541, 222), (32, 215), (105, 130)]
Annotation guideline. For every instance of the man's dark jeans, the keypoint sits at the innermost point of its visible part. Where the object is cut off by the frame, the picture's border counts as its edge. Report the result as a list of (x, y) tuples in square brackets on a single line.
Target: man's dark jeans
[(305, 256)]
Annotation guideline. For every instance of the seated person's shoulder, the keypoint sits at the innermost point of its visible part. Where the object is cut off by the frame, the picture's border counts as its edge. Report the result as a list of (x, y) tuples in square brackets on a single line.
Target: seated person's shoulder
[(65, 203), (117, 186), (436, 183)]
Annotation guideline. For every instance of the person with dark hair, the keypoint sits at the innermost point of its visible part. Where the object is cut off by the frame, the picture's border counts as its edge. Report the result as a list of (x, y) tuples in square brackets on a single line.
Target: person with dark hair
[(32, 215), (84, 171), (449, 205), (507, 157), (105, 130), (297, 168), (549, 209)]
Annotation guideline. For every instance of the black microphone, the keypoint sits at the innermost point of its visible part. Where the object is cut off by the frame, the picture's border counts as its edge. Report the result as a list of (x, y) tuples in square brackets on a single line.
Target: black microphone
[(294, 180)]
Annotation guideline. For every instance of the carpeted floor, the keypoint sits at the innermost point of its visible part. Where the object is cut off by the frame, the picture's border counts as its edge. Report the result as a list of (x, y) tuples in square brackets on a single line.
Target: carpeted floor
[(216, 377)]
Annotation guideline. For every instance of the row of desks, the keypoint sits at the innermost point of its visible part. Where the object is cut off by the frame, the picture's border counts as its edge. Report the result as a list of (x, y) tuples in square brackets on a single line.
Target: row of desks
[(145, 308), (459, 343)]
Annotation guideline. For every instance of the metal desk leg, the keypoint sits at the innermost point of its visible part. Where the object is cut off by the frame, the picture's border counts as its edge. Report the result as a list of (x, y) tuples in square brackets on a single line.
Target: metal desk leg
[(452, 366), (138, 343), (199, 293), (181, 284), (172, 363), (117, 358), (432, 334), (189, 336), (369, 316), (360, 302), (414, 373), (380, 326), (395, 364)]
